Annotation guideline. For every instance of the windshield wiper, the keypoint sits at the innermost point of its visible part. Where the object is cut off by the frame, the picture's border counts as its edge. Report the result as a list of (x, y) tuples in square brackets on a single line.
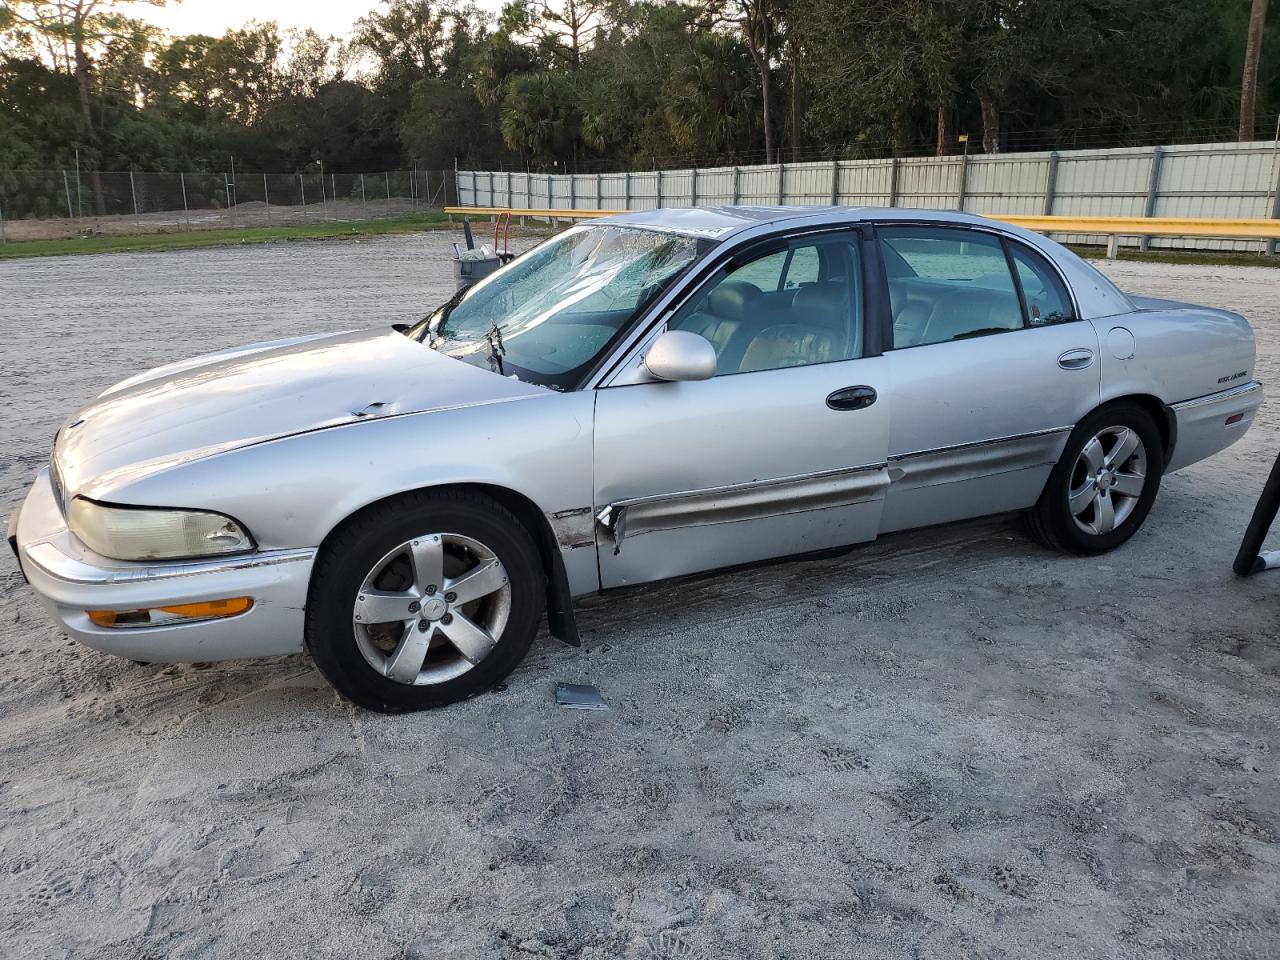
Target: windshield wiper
[(496, 348), (444, 310)]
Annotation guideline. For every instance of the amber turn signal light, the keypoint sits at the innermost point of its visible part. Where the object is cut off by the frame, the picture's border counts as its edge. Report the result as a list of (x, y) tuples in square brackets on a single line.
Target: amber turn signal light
[(154, 616)]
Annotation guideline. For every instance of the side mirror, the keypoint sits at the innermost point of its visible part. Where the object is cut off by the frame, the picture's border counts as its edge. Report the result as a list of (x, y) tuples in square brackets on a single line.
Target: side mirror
[(681, 355)]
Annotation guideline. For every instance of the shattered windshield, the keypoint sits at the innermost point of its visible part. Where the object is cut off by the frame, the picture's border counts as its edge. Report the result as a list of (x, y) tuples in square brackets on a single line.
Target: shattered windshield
[(547, 317)]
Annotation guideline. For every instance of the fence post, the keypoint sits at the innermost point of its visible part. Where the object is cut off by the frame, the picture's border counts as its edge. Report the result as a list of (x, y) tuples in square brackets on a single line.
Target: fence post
[(626, 190), (573, 191), (386, 178), (737, 185), (693, 187), (964, 181), (893, 183), (511, 192), (781, 182), (226, 183), (66, 185), (1153, 190), (266, 198), (1275, 214), (364, 200), (659, 198), (186, 211), (835, 183), (324, 203), (302, 193), (1051, 183), (134, 190), (599, 193)]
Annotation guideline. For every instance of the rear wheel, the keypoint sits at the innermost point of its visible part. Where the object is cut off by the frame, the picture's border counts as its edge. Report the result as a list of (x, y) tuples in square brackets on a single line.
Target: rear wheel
[(424, 601), (1102, 488)]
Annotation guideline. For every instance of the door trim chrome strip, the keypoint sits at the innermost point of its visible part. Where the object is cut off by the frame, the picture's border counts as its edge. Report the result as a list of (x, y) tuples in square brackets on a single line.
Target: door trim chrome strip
[(970, 461), (979, 443), (743, 501)]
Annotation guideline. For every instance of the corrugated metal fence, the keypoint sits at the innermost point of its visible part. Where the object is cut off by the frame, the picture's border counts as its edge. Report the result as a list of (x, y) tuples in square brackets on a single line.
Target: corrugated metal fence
[(1200, 180)]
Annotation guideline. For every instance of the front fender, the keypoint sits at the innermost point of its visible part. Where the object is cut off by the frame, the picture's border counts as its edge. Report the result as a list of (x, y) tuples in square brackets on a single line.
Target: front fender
[(293, 491)]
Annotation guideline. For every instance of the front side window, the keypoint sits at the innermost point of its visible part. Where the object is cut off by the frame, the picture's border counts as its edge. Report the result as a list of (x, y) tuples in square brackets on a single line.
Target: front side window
[(947, 284), (549, 315), (791, 307)]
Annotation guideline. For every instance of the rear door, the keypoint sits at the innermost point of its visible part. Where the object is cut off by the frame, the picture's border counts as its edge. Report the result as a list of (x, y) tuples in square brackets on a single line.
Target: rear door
[(990, 369), (782, 452)]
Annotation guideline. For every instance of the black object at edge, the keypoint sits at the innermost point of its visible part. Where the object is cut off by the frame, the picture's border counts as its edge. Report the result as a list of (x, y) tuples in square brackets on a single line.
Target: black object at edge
[(1264, 514)]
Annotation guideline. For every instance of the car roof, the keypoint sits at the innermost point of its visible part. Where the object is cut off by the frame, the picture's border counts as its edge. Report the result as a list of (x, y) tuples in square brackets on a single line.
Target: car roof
[(722, 222), (1096, 296)]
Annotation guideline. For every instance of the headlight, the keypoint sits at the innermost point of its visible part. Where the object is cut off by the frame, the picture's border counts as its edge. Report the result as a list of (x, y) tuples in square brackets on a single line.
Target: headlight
[(143, 533)]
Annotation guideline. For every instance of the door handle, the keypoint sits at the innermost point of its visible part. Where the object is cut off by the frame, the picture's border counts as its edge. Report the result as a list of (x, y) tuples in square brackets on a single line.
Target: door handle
[(1077, 359), (851, 398)]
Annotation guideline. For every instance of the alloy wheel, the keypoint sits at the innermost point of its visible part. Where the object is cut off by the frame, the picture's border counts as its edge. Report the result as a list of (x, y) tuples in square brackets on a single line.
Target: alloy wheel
[(1107, 480), (431, 609)]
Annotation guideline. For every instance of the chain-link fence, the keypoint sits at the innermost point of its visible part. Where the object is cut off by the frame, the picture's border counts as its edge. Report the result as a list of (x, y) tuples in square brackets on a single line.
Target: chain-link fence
[(49, 204)]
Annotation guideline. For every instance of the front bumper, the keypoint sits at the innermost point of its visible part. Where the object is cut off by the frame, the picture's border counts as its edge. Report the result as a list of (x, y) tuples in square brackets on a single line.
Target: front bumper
[(71, 580)]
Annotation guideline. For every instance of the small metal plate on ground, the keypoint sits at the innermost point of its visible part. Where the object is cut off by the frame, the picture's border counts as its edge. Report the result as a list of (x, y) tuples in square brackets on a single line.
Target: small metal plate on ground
[(579, 696)]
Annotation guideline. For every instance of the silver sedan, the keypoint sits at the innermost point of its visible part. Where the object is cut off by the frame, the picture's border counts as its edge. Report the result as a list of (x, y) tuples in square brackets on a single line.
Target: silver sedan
[(643, 397)]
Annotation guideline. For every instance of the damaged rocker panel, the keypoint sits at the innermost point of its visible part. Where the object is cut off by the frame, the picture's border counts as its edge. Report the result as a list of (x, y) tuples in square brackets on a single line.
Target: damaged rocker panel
[(745, 501)]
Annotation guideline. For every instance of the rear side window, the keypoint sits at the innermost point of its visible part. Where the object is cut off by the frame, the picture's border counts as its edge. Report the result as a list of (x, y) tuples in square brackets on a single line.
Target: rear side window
[(956, 285), (765, 273), (1042, 288), (803, 268)]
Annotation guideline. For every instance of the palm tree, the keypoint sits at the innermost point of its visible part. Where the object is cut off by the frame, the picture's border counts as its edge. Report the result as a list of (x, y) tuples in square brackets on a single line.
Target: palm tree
[(711, 103), (1249, 82)]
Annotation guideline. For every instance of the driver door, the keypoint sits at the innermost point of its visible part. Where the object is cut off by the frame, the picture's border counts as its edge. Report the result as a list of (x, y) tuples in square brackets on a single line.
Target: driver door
[(783, 451)]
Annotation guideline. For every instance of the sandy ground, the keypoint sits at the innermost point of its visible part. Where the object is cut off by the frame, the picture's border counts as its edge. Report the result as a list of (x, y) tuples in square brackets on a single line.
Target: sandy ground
[(950, 744)]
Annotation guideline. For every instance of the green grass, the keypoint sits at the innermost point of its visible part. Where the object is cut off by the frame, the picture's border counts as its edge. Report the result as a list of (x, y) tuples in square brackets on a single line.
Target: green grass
[(1205, 258), (223, 238)]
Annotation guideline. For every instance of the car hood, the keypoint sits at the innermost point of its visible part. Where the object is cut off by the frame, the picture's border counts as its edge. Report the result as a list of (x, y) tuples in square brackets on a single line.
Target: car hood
[(197, 408)]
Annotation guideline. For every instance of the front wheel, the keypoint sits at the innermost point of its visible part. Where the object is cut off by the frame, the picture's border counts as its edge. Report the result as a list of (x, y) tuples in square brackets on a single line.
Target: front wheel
[(424, 601), (1102, 488)]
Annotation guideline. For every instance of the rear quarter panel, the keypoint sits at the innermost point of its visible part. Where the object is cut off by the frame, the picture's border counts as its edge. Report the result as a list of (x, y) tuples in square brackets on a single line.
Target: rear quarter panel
[(1173, 351), (1199, 361)]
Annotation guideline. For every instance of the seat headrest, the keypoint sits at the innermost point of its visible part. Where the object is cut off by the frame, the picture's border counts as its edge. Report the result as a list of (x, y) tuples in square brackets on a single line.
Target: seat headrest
[(733, 299), (826, 304)]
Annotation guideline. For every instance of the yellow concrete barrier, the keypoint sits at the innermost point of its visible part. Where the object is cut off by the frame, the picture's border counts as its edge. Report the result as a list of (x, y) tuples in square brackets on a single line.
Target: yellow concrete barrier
[(1110, 227), (522, 212), (1152, 226)]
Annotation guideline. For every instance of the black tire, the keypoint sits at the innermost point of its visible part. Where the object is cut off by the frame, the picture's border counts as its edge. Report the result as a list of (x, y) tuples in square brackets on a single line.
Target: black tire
[(354, 550), (1051, 521)]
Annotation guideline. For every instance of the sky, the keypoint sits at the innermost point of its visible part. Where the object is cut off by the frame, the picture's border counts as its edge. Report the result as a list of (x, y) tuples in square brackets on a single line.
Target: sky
[(327, 17)]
